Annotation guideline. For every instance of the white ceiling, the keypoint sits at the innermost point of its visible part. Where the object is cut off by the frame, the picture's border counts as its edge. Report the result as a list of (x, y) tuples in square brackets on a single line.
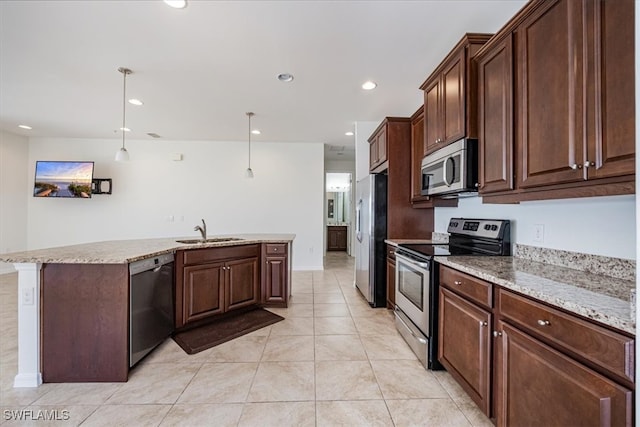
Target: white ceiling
[(199, 69)]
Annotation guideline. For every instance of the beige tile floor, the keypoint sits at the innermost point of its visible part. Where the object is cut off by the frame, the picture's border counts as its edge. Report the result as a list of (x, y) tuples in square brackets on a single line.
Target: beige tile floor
[(333, 361)]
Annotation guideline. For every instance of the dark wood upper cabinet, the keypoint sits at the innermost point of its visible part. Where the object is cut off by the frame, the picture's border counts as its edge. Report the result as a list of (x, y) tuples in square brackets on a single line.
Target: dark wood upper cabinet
[(556, 102), (610, 88), (450, 95), (403, 222), (495, 116), (549, 69)]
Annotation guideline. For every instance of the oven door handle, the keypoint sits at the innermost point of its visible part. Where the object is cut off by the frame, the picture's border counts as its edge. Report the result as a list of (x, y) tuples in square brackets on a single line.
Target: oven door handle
[(413, 334), (410, 261)]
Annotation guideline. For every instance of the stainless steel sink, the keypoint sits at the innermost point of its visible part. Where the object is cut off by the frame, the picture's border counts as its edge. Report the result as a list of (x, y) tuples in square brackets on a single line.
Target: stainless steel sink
[(212, 240)]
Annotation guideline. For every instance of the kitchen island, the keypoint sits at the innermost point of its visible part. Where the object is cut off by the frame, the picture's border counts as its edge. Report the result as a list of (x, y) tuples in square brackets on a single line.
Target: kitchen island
[(98, 274)]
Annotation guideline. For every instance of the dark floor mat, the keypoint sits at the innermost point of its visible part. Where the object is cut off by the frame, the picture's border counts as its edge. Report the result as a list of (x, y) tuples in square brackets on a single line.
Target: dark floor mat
[(223, 330)]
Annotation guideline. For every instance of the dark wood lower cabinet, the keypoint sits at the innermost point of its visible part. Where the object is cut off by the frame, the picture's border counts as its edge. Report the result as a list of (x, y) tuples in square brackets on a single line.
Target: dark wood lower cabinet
[(243, 280), (275, 275), (85, 322), (537, 385), (391, 276), (213, 281), (336, 238), (203, 291), (464, 346)]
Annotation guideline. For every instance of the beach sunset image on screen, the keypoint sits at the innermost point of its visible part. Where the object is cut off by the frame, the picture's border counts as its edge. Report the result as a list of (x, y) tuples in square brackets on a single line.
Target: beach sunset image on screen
[(63, 179)]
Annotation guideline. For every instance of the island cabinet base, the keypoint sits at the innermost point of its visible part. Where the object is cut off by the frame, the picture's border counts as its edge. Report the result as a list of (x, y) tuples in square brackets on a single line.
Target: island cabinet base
[(85, 322)]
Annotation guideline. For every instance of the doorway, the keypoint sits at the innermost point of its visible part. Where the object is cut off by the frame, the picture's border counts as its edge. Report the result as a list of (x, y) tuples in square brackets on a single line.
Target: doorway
[(338, 207)]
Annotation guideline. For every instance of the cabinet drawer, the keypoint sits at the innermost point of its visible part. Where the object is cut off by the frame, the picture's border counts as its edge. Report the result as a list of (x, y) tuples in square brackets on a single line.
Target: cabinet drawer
[(198, 256), (276, 248), (611, 351), (471, 287)]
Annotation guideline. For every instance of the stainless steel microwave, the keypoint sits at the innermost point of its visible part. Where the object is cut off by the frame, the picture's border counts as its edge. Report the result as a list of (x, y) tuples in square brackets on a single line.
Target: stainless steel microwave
[(452, 170)]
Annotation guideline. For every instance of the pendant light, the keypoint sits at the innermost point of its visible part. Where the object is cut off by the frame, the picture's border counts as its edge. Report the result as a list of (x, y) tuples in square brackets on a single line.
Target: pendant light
[(249, 172), (123, 155)]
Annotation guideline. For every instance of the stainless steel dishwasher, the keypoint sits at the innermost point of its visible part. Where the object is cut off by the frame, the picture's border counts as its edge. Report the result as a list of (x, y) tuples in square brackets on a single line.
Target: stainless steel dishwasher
[(151, 304)]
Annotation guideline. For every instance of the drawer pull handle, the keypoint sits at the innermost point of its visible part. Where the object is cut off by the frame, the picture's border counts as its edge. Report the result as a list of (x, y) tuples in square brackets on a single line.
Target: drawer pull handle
[(544, 322), (483, 323), (497, 334), (457, 282)]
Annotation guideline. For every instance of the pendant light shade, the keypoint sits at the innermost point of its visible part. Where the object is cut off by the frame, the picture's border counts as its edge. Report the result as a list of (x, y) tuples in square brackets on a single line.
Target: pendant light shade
[(249, 172), (122, 155)]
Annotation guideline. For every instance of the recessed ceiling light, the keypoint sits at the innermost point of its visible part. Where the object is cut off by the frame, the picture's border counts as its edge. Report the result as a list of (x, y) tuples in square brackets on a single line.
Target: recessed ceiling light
[(135, 102), (125, 129), (349, 133), (176, 4), (256, 132), (368, 85), (25, 127), (285, 77)]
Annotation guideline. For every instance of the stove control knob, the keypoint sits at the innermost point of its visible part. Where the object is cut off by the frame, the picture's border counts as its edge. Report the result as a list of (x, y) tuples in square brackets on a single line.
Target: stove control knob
[(487, 227), (494, 227)]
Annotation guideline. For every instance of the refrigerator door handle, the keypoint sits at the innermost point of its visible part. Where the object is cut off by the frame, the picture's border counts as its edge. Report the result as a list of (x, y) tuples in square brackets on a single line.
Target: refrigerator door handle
[(359, 221)]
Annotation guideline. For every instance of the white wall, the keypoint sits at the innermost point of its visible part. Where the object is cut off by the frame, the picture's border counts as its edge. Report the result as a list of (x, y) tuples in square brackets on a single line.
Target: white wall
[(14, 154), (286, 195), (598, 225), (363, 131)]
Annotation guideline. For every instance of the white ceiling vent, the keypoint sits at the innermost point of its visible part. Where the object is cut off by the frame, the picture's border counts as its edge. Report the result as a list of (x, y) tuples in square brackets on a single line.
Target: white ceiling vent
[(153, 135)]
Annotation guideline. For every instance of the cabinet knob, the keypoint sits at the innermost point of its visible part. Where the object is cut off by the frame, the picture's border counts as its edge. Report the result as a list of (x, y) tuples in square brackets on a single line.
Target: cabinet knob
[(457, 282), (483, 323), (543, 322), (576, 166), (497, 334), (588, 163)]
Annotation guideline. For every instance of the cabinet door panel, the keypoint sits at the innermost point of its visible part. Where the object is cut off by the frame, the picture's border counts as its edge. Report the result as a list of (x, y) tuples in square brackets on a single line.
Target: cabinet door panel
[(549, 76), (203, 291), (373, 154), (382, 145), (243, 283), (418, 151), (612, 85), (391, 282), (275, 279), (464, 345), (495, 76), (540, 386), (432, 115), (453, 100)]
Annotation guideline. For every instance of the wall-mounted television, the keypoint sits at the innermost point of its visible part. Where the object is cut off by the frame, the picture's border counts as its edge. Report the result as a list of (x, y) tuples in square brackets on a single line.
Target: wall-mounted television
[(63, 179)]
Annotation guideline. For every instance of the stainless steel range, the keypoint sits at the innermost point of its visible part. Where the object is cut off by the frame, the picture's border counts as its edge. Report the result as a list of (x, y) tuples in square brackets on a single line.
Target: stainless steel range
[(417, 279)]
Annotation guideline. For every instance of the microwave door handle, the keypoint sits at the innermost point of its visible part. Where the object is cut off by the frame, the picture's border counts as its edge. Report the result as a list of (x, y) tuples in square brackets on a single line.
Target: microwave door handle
[(445, 170)]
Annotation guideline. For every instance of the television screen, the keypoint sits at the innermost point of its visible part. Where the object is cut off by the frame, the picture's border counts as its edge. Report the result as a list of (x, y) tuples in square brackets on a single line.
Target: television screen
[(63, 179)]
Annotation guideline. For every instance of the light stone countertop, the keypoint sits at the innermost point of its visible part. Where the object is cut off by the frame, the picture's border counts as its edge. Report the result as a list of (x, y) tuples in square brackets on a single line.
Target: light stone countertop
[(126, 251), (604, 299)]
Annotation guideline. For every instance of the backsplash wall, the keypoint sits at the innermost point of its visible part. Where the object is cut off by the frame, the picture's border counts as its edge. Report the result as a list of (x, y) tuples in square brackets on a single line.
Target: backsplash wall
[(598, 225)]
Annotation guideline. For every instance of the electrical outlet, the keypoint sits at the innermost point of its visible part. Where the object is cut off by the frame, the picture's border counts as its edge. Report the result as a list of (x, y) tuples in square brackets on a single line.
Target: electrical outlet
[(538, 233), (27, 296)]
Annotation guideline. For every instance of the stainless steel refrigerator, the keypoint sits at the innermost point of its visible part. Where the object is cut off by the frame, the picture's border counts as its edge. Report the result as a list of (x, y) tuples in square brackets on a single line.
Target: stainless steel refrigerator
[(371, 231)]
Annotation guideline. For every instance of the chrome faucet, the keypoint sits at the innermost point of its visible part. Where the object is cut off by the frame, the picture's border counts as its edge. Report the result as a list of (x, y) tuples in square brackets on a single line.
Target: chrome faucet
[(202, 230)]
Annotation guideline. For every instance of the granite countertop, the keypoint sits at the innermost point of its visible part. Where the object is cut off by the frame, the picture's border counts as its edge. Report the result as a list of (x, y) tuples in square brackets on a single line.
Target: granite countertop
[(604, 299), (126, 251)]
